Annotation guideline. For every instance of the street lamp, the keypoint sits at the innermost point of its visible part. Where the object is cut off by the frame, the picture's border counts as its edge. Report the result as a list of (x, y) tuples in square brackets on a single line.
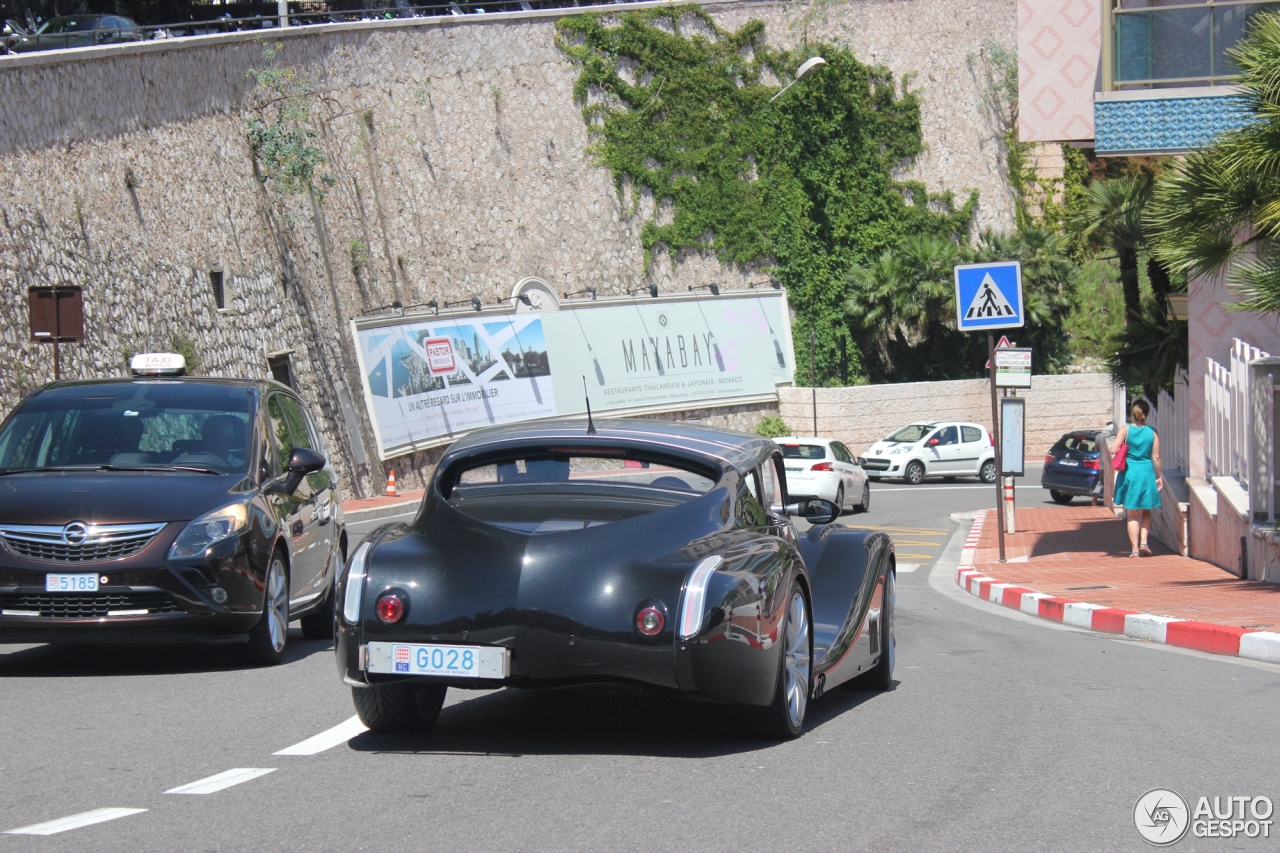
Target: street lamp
[(809, 66)]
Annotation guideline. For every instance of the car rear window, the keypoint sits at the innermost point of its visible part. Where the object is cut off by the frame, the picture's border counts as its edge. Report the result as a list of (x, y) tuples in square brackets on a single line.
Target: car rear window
[(552, 491), (1081, 443), (804, 451), (145, 424), (912, 434)]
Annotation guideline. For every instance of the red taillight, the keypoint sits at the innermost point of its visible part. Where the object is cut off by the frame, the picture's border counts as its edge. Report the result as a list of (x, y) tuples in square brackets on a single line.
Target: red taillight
[(650, 621), (390, 608), (1049, 459), (1092, 464), (821, 466)]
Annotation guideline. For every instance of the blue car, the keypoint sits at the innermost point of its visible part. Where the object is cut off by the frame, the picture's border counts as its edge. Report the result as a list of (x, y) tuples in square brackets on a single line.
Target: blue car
[(1072, 467)]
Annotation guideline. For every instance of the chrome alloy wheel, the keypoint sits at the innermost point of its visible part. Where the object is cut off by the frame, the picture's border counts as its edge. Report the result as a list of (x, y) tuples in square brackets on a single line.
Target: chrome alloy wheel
[(277, 610), (886, 609), (796, 653)]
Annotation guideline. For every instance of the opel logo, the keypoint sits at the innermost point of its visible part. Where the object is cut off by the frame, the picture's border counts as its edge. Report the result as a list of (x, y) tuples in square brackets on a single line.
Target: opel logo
[(75, 533)]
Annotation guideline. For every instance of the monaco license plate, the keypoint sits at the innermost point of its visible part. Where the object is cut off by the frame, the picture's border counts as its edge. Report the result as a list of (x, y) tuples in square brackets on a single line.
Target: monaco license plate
[(1071, 463), (433, 659), (70, 583), (791, 470)]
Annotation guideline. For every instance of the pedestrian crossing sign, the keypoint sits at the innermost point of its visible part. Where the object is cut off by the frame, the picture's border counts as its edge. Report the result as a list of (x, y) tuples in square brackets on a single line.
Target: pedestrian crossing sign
[(989, 296)]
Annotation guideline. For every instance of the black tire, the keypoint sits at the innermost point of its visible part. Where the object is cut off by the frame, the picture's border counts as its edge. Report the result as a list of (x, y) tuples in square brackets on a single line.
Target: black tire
[(780, 720), (873, 478), (880, 677), (914, 474), (319, 625), (269, 637), (948, 479), (400, 707), (987, 473), (839, 501), (865, 505), (1060, 497)]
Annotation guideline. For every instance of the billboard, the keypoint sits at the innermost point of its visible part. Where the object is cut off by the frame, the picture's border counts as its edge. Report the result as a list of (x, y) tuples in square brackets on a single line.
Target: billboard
[(427, 379)]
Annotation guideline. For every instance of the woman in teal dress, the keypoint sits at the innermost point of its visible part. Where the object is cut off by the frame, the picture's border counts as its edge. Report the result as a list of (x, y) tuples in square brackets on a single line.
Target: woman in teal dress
[(1138, 485)]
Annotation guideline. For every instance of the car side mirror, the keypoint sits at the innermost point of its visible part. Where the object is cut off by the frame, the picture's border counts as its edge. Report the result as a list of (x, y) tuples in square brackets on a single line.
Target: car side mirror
[(815, 511), (934, 442), (301, 463)]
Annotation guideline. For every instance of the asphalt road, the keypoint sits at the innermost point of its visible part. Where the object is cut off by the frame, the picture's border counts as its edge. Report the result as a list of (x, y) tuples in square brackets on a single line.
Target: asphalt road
[(1003, 733)]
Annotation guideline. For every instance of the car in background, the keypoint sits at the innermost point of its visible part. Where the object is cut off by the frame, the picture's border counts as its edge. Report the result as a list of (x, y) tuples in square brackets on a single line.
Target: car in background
[(11, 32), (78, 31), (946, 449), (824, 468), (1072, 467), (167, 509)]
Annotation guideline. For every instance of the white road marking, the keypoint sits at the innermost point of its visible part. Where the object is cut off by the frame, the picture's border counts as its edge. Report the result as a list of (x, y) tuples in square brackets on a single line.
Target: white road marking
[(75, 821), (335, 736), (903, 568), (929, 487), (213, 784)]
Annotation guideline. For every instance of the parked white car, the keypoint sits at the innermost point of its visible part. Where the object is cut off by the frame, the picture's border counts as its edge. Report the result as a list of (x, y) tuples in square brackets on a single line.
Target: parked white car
[(939, 449), (824, 468)]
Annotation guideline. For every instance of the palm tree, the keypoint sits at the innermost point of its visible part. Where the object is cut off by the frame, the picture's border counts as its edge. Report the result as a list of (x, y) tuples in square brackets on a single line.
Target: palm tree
[(1113, 209), (1220, 208)]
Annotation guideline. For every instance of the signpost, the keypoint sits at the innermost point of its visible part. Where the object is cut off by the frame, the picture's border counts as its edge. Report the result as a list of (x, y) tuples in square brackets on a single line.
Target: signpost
[(56, 316), (1013, 367), (988, 298)]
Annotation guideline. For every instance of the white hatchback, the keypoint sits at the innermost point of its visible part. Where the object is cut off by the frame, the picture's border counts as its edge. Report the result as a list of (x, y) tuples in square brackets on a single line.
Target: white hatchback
[(824, 468), (938, 449)]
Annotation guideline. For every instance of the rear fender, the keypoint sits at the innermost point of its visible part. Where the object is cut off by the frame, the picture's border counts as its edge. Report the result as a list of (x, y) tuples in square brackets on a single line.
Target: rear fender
[(846, 568)]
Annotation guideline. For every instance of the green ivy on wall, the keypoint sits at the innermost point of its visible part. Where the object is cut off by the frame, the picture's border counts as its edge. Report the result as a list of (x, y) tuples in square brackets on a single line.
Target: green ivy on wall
[(802, 188)]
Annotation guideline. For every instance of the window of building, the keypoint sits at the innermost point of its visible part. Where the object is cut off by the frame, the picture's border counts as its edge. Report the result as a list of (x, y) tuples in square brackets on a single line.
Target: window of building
[(219, 292), (281, 365)]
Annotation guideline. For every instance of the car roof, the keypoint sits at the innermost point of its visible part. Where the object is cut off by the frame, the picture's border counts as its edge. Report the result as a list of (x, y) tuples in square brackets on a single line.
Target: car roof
[(261, 384), (804, 438), (740, 451)]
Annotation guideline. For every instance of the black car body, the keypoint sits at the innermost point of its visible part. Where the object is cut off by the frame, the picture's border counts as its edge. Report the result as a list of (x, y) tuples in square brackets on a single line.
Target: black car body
[(639, 552), (78, 31), (1072, 467), (199, 505)]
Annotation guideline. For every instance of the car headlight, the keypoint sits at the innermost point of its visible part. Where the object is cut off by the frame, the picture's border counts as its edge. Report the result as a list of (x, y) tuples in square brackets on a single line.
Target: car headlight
[(902, 448), (354, 589), (209, 529)]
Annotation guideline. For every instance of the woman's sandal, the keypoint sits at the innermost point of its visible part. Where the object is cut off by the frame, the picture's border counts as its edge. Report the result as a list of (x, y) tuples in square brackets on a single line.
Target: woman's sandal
[(1144, 550), (1133, 554)]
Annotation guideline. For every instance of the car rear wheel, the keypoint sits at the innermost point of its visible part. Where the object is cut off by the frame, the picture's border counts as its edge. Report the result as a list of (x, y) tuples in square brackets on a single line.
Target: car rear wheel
[(784, 718), (865, 506), (319, 625), (400, 707), (914, 473), (988, 472), (881, 676), (839, 501), (269, 637), (1060, 497)]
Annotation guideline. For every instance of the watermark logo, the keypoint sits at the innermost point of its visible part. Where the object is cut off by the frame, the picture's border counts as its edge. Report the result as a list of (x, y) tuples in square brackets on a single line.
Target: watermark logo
[(1161, 817)]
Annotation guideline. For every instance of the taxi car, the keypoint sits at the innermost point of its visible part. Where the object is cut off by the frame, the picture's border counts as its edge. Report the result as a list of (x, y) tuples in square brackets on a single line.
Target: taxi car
[(166, 508)]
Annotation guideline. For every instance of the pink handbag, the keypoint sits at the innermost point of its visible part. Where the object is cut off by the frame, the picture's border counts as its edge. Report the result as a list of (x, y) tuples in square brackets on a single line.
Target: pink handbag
[(1120, 460)]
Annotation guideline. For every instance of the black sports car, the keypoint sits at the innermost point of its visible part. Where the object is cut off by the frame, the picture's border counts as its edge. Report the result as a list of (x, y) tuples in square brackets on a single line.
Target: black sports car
[(648, 552)]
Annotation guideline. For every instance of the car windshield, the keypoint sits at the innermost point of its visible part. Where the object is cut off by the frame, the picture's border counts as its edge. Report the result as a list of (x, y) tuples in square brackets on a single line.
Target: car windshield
[(143, 424), (1080, 443), (804, 451), (913, 433), (557, 490), (68, 25)]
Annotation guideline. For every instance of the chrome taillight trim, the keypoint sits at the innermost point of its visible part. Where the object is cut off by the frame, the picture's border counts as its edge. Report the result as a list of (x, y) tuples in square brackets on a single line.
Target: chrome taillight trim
[(695, 596), (353, 589)]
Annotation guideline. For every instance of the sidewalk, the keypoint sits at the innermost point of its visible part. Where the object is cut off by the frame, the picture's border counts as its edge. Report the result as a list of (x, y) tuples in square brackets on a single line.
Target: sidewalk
[(382, 506), (1071, 564)]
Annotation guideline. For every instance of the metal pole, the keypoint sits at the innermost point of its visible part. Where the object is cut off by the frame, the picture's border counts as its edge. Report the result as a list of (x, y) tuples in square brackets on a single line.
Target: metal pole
[(57, 333), (995, 436), (813, 375)]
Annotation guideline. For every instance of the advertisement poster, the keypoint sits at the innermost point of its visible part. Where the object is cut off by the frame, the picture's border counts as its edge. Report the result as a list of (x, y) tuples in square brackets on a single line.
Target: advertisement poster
[(429, 379)]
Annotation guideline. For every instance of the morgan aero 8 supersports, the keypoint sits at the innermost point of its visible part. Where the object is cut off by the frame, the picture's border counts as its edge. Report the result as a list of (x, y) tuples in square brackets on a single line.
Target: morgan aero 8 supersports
[(648, 552)]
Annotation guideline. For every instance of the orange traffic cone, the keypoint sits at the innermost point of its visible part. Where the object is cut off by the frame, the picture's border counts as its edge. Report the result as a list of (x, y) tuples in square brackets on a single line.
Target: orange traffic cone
[(391, 484)]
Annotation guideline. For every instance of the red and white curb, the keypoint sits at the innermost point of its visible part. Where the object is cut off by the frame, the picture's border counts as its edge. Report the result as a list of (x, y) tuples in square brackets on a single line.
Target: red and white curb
[(1201, 636)]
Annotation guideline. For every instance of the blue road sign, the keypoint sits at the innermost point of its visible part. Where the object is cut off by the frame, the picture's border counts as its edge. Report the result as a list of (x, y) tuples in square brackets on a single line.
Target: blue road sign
[(989, 296)]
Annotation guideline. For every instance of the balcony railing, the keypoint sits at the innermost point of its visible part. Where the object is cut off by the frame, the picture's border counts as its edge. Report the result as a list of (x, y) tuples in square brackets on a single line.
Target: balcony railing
[(1174, 43)]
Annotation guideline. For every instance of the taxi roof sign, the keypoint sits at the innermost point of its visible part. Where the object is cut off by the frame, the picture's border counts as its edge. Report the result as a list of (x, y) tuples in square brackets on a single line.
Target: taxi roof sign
[(158, 364)]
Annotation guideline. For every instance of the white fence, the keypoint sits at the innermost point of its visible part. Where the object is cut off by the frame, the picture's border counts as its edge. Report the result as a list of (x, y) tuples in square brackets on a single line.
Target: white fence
[(1171, 419), (1226, 408)]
